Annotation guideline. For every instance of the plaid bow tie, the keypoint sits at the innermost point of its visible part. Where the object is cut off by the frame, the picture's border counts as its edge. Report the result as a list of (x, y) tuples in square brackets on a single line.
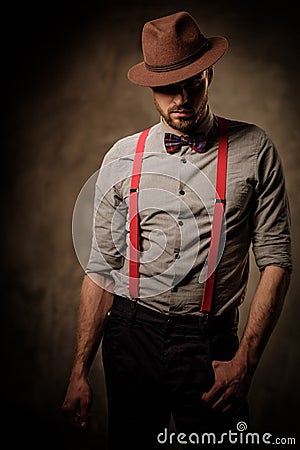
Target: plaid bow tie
[(173, 142)]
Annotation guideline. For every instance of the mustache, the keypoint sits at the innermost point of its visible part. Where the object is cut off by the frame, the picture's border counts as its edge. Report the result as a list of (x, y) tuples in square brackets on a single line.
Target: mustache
[(178, 109)]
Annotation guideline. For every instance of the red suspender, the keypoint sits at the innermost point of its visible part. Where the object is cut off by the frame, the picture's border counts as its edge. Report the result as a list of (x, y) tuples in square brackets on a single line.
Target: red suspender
[(217, 218), (216, 225), (134, 232)]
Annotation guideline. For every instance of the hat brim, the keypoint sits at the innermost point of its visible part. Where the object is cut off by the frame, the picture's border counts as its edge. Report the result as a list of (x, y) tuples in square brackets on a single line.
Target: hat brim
[(139, 74)]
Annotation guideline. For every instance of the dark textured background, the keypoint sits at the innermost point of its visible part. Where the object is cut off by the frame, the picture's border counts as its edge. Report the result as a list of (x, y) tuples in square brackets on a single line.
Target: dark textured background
[(65, 100)]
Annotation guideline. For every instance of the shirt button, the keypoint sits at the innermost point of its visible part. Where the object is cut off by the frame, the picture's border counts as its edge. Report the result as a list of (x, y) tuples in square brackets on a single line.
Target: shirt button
[(183, 160), (181, 192), (180, 223), (176, 256)]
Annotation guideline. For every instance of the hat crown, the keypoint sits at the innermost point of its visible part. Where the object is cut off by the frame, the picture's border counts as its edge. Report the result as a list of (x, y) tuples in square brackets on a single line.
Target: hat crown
[(174, 50), (171, 39)]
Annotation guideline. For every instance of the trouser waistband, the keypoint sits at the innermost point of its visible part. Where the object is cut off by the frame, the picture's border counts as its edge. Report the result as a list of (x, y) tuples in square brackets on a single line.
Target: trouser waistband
[(215, 324)]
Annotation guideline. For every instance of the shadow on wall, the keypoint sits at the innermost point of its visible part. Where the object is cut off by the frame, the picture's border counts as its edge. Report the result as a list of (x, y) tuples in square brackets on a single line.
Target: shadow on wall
[(67, 100)]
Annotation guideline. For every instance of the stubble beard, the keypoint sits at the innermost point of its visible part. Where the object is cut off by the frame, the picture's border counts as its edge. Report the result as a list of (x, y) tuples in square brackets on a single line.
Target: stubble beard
[(187, 126)]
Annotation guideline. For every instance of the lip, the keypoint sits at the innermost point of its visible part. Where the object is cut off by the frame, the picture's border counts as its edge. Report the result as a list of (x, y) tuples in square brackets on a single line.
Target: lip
[(179, 114)]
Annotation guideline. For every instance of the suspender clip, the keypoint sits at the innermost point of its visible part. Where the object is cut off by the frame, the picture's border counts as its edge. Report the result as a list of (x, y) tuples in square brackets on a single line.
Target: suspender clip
[(134, 190), (220, 200), (204, 316)]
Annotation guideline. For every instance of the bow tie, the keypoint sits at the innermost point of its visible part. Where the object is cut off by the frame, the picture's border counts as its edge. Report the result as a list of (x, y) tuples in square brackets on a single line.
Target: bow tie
[(173, 142)]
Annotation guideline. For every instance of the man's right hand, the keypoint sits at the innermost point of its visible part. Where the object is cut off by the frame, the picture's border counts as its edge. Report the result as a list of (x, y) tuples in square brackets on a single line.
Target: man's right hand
[(77, 403)]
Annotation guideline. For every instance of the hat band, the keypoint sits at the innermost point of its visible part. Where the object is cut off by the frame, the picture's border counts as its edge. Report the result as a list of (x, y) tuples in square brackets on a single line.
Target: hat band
[(183, 62)]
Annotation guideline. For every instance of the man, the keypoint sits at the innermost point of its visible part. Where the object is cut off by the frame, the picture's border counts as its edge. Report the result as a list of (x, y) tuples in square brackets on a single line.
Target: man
[(176, 210)]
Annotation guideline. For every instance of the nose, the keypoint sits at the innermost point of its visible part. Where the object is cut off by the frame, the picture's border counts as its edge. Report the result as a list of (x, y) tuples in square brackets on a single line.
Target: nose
[(181, 95)]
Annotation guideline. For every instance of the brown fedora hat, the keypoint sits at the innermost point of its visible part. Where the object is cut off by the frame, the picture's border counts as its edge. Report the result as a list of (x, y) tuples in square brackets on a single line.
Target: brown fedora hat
[(174, 49)]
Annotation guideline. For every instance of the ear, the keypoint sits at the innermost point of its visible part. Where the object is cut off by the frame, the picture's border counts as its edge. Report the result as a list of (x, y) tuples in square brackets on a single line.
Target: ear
[(210, 74)]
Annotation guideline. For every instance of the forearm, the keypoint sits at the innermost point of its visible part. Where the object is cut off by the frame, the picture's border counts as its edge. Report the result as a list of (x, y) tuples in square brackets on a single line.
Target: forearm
[(95, 303), (264, 312)]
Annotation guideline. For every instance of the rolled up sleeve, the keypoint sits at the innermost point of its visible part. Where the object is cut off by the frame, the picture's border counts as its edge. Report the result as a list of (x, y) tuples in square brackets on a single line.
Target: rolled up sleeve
[(271, 238), (109, 233)]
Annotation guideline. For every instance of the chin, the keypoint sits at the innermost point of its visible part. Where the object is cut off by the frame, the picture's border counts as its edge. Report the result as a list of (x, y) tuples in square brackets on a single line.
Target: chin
[(181, 125)]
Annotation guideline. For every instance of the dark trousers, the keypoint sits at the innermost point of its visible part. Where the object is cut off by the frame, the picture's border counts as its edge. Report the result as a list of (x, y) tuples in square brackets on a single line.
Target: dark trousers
[(157, 365)]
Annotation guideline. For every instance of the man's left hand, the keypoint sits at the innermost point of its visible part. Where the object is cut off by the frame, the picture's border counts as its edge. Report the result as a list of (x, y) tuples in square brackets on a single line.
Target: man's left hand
[(231, 386)]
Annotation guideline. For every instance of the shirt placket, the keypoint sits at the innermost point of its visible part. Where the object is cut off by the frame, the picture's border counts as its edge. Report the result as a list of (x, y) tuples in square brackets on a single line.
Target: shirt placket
[(180, 220)]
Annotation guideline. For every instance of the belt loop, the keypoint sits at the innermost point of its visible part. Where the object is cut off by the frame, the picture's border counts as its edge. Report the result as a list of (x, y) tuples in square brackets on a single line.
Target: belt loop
[(236, 318), (133, 302), (134, 308), (203, 318)]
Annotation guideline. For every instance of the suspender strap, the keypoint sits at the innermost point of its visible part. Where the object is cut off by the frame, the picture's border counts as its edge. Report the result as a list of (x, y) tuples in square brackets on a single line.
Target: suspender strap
[(134, 232), (134, 257), (217, 217)]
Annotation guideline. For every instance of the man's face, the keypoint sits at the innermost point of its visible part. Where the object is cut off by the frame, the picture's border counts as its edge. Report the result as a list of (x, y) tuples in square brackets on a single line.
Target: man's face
[(183, 105)]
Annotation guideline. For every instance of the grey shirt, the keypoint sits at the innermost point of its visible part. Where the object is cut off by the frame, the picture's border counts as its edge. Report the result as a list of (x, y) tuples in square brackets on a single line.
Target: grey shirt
[(176, 201)]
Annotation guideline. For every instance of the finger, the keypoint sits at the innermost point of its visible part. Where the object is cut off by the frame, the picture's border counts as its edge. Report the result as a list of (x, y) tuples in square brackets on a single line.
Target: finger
[(229, 398), (76, 418), (84, 415), (216, 388), (82, 422), (238, 400), (70, 413), (223, 402), (228, 408), (214, 393)]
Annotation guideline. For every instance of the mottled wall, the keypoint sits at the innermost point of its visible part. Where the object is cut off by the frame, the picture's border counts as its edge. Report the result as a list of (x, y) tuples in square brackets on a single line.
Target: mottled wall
[(65, 100)]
